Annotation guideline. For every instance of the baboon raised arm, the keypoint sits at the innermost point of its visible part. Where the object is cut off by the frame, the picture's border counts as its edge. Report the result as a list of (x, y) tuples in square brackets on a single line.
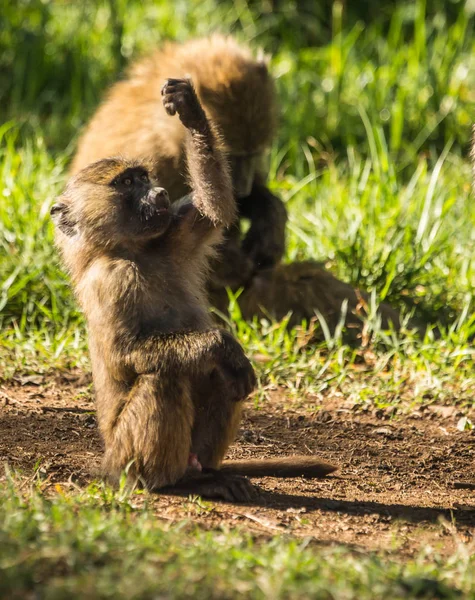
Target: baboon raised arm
[(168, 383)]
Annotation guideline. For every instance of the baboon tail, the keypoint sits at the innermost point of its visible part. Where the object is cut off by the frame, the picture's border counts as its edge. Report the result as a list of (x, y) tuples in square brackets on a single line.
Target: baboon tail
[(291, 466)]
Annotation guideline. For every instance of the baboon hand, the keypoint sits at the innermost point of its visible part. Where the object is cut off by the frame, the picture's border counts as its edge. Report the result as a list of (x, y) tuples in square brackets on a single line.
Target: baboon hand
[(235, 369), (179, 96)]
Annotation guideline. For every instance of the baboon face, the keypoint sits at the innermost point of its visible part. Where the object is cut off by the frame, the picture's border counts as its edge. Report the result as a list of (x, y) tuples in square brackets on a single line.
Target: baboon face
[(244, 108), (113, 200), (142, 208), (247, 168)]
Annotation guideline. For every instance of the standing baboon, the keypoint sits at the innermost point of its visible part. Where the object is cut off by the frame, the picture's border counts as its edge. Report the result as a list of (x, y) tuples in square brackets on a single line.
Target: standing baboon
[(168, 384)]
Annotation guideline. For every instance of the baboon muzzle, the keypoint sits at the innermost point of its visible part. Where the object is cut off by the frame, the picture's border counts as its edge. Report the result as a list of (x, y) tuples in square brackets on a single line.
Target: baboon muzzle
[(158, 198), (154, 204)]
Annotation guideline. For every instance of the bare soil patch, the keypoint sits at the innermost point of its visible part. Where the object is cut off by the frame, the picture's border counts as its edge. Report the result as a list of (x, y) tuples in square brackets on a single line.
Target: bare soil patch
[(404, 481)]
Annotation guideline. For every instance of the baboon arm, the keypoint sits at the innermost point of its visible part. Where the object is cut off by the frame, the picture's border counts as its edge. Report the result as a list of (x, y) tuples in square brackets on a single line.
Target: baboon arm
[(210, 178), (265, 241), (201, 217), (263, 204), (191, 351), (167, 352), (209, 174)]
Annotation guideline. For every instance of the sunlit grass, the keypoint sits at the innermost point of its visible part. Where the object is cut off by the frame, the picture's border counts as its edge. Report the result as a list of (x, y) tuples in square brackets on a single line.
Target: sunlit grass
[(97, 543), (409, 241)]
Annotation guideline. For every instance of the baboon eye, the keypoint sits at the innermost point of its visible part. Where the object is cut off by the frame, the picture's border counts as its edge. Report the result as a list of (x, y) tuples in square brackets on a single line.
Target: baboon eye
[(144, 178), (127, 181)]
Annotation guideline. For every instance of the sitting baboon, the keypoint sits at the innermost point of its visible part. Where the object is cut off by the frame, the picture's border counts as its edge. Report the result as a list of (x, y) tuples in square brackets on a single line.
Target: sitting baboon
[(304, 290), (168, 383)]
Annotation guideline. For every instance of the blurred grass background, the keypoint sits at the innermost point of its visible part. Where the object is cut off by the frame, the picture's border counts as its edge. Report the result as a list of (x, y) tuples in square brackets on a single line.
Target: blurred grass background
[(397, 60), (377, 101)]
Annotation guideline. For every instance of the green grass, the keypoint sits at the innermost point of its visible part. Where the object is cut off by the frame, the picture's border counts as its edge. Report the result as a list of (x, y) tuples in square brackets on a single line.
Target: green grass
[(371, 158), (100, 544)]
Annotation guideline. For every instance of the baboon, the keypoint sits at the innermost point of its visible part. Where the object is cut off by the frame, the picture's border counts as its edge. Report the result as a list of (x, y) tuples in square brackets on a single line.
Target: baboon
[(305, 289), (238, 95), (168, 383)]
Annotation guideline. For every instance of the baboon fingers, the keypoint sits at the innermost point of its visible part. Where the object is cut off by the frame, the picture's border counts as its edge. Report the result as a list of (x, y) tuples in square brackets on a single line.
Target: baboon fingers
[(178, 88), (247, 378), (179, 100), (231, 488), (174, 93), (243, 490), (239, 382), (246, 383), (172, 83), (180, 97)]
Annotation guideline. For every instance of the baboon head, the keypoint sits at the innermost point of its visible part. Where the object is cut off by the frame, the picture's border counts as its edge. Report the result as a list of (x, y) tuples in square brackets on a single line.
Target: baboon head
[(111, 202), (241, 99)]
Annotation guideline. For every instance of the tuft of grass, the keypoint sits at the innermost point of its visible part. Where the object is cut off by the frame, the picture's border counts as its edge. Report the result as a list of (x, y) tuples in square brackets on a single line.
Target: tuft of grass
[(411, 80), (410, 240)]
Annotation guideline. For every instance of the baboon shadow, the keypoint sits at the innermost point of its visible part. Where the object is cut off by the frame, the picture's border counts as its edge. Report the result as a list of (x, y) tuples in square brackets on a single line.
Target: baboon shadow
[(411, 513), (407, 512)]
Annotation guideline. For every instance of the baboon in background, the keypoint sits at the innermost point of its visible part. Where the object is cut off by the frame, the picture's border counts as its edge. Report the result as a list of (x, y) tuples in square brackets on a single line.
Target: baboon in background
[(304, 288), (168, 383), (238, 94)]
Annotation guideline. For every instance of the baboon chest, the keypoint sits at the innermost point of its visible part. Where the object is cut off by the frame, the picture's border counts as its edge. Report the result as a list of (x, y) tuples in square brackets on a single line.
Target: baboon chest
[(173, 308)]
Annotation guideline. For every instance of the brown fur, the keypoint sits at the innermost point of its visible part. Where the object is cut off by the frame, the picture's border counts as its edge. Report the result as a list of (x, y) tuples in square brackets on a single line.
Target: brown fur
[(233, 88), (305, 289), (167, 382)]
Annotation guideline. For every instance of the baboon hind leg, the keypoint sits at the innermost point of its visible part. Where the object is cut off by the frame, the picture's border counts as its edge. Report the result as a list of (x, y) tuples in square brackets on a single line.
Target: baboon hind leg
[(217, 419), (152, 436), (216, 423)]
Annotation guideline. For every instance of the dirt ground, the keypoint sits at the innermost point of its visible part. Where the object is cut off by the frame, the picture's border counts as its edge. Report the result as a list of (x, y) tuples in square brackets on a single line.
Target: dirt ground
[(404, 481)]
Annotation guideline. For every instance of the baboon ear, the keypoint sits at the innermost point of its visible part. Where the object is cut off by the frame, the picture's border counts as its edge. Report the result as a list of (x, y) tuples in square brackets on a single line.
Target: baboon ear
[(62, 219)]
